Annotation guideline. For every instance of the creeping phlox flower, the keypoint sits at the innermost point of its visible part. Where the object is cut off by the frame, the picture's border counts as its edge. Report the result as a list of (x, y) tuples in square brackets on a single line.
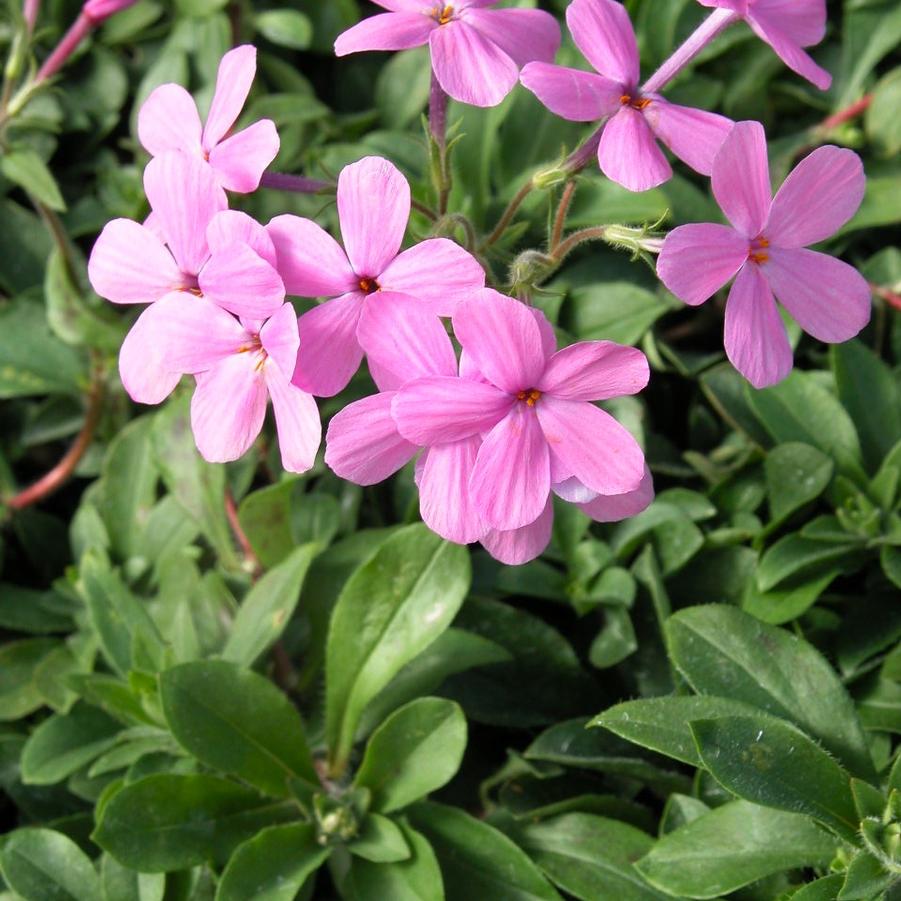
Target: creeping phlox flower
[(169, 120), (765, 249), (628, 152), (477, 52), (500, 433), (373, 210), (787, 26)]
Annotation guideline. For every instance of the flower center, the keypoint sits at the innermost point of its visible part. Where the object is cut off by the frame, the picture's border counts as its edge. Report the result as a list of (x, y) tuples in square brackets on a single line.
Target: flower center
[(530, 397), (369, 285), (255, 346), (757, 253), (442, 14), (638, 103)]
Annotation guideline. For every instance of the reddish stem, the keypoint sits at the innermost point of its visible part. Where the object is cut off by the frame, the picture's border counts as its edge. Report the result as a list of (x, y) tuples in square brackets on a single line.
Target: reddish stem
[(846, 114), (62, 472), (562, 212), (890, 297), (250, 557), (80, 29)]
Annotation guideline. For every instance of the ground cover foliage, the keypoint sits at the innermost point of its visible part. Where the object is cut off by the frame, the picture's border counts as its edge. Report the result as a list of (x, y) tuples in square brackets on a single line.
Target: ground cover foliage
[(228, 682)]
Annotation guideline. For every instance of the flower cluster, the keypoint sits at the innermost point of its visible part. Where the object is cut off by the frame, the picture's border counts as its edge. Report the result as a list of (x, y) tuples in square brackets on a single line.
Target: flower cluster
[(500, 428)]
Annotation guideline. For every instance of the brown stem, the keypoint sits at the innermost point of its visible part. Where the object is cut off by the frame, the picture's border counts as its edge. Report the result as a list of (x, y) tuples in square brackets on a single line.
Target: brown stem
[(564, 248), (429, 213), (62, 472), (562, 212), (507, 217)]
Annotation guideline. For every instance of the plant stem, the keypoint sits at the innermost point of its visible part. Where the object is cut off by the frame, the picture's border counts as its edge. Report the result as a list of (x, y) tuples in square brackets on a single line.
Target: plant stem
[(564, 248), (80, 29), (30, 12), (846, 114), (508, 215), (251, 561), (438, 130), (62, 472), (717, 22), (299, 184), (560, 219), (892, 298)]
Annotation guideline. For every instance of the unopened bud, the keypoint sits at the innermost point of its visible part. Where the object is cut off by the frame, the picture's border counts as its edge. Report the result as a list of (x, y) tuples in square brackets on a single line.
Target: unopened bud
[(98, 10)]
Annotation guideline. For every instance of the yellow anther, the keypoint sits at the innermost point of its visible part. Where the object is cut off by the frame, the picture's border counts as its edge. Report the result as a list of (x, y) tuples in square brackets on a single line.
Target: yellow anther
[(446, 15)]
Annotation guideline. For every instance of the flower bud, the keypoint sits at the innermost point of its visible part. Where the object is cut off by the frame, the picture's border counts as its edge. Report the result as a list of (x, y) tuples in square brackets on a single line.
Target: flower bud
[(98, 10)]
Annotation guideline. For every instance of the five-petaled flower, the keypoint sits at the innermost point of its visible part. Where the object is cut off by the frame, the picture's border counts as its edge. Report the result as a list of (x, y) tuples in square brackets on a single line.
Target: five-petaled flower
[(765, 249), (486, 469), (169, 120), (373, 209), (628, 151), (477, 52), (787, 26)]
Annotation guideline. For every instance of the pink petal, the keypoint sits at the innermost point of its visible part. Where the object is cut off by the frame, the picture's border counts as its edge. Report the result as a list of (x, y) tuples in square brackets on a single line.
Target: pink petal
[(444, 498), (803, 21), (519, 546), (234, 227), (571, 489), (408, 6), (239, 280), (184, 196), (168, 120), (523, 34), (511, 480), (741, 178), (615, 507), (788, 51), (628, 153), (386, 31), (571, 93), (828, 298), (437, 272), (228, 409), (755, 338), (191, 334), (738, 6), (233, 81), (129, 264), (695, 136), (141, 367), (310, 261), (502, 338), (820, 195), (595, 370), (698, 260), (241, 160), (329, 351), (439, 409), (603, 32), (296, 421), (469, 67), (373, 209), (592, 445), (280, 337), (363, 444), (403, 341)]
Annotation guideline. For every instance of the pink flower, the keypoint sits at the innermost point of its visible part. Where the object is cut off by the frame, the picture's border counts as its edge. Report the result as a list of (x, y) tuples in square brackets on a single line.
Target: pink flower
[(787, 26), (628, 152), (239, 365), (191, 246), (373, 209), (476, 52), (169, 120), (412, 352), (765, 250), (98, 10)]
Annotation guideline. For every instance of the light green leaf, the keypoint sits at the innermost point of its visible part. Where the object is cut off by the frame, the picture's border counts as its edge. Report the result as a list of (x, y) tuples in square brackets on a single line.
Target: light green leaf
[(380, 841), (795, 475), (121, 884), (285, 27), (26, 169), (43, 865)]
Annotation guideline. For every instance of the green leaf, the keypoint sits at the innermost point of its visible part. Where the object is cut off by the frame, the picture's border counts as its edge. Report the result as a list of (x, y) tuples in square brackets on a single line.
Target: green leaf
[(869, 392), (27, 170), (34, 612), (476, 860), (285, 27), (43, 865), (662, 724), (273, 865), (782, 605), (719, 651), (615, 642), (415, 751), (590, 857), (795, 557), (865, 879), (418, 878), (796, 474), (890, 559), (268, 607), (121, 884), (19, 694), (770, 762), (238, 722), (614, 311), (390, 610), (801, 409), (823, 889), (380, 841), (882, 124), (65, 743), (733, 846), (171, 822), (402, 89)]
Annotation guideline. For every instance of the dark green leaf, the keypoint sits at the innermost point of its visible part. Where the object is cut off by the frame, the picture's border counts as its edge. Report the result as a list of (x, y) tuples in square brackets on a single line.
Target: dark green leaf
[(795, 475), (26, 169), (19, 693), (43, 865), (380, 841)]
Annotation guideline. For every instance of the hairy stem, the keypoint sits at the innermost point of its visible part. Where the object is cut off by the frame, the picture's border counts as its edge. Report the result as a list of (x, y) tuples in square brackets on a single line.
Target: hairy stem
[(438, 130), (507, 217), (562, 212), (566, 247)]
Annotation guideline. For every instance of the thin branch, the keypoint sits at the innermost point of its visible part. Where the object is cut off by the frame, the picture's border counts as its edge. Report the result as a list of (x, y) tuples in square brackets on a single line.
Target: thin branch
[(892, 298), (507, 217), (846, 114), (562, 212), (251, 561)]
